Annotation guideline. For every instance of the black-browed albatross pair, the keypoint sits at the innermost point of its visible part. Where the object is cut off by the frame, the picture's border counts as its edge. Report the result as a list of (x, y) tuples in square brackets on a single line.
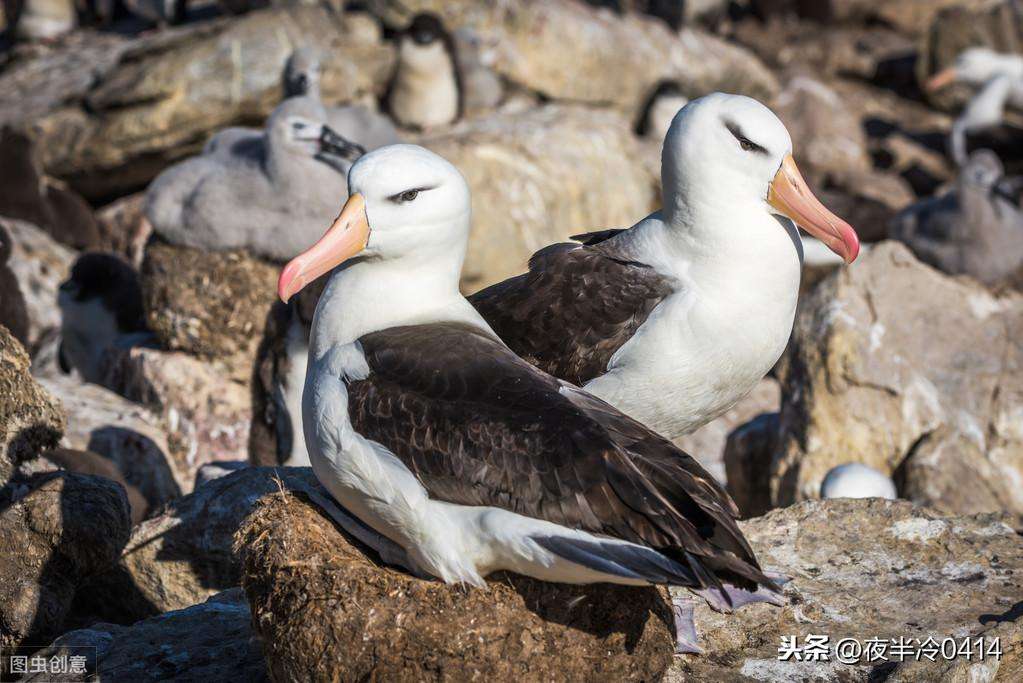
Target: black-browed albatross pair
[(428, 428)]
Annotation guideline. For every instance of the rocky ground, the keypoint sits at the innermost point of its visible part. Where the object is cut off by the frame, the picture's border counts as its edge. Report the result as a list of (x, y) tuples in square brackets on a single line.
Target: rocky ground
[(132, 523)]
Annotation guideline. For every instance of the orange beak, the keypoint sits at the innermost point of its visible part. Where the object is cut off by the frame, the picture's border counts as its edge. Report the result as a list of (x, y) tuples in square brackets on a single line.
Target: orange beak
[(344, 239), (940, 79), (791, 196)]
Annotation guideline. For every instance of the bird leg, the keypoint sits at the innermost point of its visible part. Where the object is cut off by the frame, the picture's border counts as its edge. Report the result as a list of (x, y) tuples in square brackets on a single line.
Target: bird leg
[(686, 641), (725, 599), (729, 597), (390, 552)]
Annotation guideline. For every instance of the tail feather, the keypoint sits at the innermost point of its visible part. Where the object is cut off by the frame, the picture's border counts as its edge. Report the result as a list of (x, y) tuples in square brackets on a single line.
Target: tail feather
[(625, 560)]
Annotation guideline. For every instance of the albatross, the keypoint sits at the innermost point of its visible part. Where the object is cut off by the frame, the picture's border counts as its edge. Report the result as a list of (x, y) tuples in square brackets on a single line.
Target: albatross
[(1000, 79), (675, 319), (438, 438)]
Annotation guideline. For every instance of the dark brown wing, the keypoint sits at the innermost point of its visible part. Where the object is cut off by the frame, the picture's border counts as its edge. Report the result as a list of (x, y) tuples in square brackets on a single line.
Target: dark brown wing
[(597, 236), (574, 308), (478, 426)]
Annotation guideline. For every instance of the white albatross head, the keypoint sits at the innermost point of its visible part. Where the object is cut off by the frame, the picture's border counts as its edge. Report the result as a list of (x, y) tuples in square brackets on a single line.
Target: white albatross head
[(405, 203), (976, 66), (731, 152)]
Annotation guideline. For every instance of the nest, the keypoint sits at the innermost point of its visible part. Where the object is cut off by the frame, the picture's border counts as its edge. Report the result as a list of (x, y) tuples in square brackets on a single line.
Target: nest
[(327, 611), (209, 304)]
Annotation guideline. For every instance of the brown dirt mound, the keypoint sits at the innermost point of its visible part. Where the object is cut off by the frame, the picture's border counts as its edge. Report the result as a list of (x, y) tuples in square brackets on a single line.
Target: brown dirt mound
[(328, 612), (211, 304)]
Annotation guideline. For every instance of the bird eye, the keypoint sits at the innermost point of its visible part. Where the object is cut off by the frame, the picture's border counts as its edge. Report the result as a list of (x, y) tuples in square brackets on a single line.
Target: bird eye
[(406, 196)]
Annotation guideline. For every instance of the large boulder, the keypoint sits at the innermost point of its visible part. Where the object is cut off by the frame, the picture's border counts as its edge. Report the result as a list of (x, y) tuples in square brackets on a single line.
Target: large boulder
[(28, 194), (213, 641), (889, 356), (910, 17), (828, 139), (205, 405), (40, 264), (377, 623), (540, 175), (867, 569), (130, 436), (183, 554), (64, 529), (134, 106), (31, 420), (571, 51)]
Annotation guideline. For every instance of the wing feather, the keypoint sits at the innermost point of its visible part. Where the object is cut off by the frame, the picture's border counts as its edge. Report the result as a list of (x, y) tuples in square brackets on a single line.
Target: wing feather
[(574, 308), (479, 426)]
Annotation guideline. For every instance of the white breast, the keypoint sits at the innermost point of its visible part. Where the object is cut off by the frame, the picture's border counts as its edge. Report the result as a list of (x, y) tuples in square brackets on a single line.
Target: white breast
[(705, 347)]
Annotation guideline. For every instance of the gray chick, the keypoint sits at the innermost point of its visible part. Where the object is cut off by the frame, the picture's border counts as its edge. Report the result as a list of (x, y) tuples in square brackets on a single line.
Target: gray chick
[(974, 229)]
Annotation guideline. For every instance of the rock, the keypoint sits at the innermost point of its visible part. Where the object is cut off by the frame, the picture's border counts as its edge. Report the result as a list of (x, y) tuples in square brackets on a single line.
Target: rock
[(707, 444), (212, 641), (183, 555), (531, 51), (390, 625), (215, 470), (1005, 629), (124, 229), (13, 311), (873, 53), (128, 435), (886, 353), (868, 201), (205, 406), (748, 455), (211, 304), (541, 175), (911, 17), (481, 87), (828, 140), (26, 193), (31, 420), (40, 264), (45, 80), (88, 462), (66, 528), (948, 472), (155, 98), (864, 569)]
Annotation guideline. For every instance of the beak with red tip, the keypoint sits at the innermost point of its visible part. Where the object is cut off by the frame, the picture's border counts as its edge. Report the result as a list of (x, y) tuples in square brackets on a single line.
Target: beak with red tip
[(790, 196), (344, 239), (940, 80)]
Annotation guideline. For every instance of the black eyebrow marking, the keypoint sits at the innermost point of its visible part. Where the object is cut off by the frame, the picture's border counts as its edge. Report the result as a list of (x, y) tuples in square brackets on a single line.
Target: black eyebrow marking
[(736, 132), (396, 195)]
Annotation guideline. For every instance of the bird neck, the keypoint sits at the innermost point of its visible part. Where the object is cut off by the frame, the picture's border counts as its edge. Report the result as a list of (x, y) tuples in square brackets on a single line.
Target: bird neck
[(740, 257), (371, 295)]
